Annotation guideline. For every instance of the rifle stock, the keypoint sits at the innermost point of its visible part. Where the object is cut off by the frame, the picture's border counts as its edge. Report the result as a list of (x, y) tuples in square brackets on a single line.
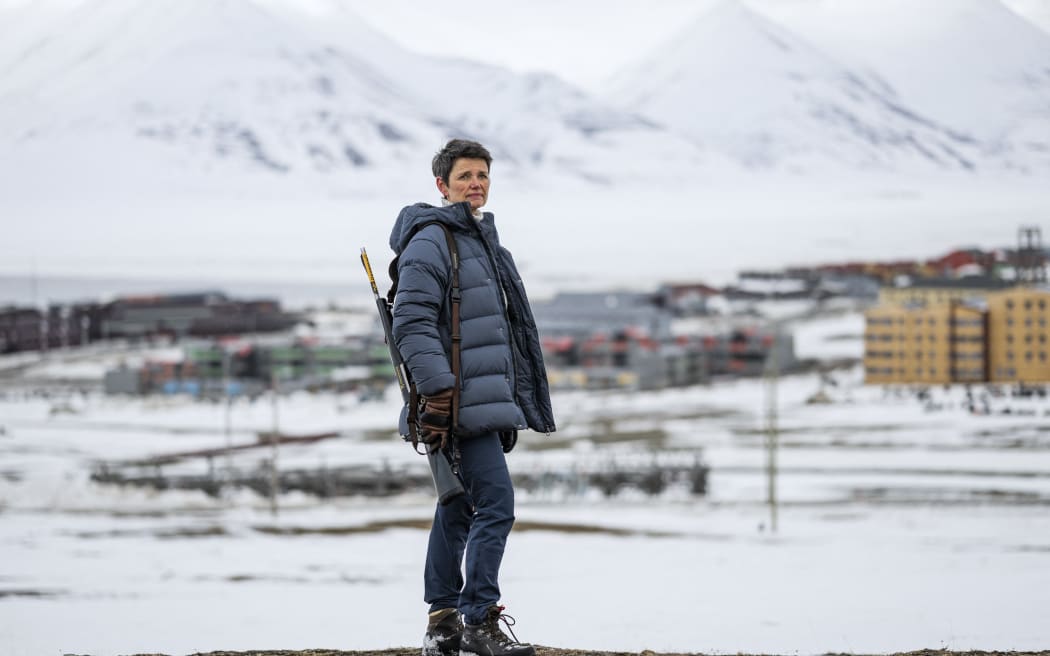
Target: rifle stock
[(446, 483)]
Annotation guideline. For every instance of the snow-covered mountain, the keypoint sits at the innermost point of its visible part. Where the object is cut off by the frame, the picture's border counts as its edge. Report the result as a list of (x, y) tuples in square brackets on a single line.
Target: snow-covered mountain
[(975, 65), (278, 86), (744, 85), (129, 88)]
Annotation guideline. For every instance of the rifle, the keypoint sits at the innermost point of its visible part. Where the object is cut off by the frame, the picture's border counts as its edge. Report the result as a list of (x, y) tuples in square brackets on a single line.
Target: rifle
[(446, 482)]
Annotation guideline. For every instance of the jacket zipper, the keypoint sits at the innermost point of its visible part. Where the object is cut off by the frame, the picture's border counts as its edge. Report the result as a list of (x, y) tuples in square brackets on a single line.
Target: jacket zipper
[(506, 317)]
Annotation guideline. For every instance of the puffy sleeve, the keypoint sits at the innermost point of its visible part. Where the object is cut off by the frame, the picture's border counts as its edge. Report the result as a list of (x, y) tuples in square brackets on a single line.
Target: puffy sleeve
[(423, 277)]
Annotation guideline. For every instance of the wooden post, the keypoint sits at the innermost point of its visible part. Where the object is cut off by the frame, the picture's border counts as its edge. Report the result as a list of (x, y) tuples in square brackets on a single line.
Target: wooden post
[(273, 443), (772, 379), (227, 423)]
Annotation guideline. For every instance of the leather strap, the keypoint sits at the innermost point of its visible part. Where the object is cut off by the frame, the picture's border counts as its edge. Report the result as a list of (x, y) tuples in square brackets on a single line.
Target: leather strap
[(457, 338)]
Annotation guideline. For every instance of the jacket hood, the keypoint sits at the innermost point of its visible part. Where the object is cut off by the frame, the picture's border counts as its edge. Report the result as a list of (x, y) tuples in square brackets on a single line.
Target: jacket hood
[(455, 216)]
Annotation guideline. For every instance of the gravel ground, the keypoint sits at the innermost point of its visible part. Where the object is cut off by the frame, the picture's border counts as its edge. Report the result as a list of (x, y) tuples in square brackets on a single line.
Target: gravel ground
[(551, 651)]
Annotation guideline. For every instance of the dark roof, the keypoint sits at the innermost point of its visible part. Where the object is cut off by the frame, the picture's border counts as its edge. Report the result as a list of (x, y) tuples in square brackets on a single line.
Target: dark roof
[(968, 282)]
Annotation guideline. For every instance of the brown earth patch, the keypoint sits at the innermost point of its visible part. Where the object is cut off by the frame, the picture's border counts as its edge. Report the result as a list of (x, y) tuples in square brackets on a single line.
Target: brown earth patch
[(424, 524), (552, 651)]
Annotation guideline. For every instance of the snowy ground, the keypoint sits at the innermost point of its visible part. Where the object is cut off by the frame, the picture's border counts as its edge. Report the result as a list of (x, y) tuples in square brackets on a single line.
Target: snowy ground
[(899, 527)]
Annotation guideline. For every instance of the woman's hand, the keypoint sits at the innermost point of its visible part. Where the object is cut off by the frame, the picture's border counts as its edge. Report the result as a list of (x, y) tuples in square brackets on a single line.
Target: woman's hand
[(434, 420)]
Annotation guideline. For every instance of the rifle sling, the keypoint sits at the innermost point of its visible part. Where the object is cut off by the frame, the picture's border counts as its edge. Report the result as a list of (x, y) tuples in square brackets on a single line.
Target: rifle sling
[(455, 295), (457, 338)]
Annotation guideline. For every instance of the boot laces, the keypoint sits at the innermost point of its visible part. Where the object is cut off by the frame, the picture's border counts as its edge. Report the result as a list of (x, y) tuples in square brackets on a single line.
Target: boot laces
[(496, 615)]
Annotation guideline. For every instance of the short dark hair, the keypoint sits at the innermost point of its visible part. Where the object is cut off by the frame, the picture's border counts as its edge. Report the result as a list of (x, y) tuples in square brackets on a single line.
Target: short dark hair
[(446, 158)]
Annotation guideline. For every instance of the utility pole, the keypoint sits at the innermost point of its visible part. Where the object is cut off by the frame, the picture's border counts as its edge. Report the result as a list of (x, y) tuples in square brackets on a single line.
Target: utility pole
[(771, 380), (227, 423), (33, 280), (273, 443), (45, 332)]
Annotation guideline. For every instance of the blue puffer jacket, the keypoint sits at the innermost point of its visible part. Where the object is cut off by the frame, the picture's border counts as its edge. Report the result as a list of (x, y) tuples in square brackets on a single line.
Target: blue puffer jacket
[(504, 384)]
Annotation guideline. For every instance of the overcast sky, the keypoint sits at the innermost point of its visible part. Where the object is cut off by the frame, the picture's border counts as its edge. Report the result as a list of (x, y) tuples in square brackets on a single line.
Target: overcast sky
[(583, 41)]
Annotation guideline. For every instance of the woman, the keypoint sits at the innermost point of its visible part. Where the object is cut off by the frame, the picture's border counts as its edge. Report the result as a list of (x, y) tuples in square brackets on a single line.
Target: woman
[(502, 389)]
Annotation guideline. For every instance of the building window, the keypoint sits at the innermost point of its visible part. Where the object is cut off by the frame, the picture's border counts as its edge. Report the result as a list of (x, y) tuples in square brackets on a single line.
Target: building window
[(1042, 356), (1028, 356), (1010, 339), (1009, 355), (1009, 304), (1028, 339), (1028, 305)]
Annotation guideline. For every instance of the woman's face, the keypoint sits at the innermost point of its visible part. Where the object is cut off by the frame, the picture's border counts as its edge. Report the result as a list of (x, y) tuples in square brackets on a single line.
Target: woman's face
[(468, 181)]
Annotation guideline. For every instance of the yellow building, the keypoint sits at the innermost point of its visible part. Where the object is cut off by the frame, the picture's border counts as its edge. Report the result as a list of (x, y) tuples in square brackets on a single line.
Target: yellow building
[(1019, 336), (968, 343), (883, 344), (918, 344), (1005, 340)]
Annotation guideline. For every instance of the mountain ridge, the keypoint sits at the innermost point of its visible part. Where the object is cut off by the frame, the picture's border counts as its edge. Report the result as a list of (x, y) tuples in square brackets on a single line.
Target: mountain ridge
[(257, 82), (748, 86), (975, 65), (265, 87)]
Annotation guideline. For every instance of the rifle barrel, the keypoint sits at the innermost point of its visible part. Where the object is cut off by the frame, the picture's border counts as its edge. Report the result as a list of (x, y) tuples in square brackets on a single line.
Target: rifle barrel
[(446, 482), (368, 270)]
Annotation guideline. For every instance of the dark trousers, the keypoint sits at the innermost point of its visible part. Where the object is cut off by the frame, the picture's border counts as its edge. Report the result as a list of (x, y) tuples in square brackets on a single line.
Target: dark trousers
[(477, 523)]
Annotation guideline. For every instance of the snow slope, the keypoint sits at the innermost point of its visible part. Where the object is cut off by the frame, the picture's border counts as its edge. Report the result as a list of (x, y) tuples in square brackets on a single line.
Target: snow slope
[(272, 86), (739, 82), (172, 88), (975, 65)]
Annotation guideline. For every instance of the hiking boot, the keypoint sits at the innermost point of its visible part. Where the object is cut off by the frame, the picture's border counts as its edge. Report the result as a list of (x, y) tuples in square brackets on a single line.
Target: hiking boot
[(486, 639), (444, 631)]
